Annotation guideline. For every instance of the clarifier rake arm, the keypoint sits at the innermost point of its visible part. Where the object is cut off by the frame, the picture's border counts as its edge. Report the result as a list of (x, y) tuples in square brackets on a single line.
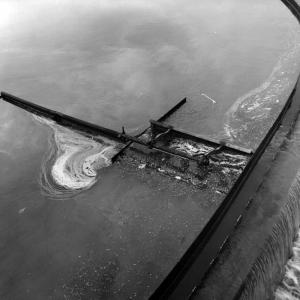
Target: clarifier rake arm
[(60, 118), (90, 128)]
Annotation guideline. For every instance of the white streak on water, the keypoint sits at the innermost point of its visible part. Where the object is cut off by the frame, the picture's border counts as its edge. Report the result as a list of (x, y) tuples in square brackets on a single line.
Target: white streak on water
[(73, 160), (207, 97)]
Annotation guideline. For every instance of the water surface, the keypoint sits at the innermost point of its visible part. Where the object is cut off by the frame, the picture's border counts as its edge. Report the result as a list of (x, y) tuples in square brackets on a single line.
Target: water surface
[(121, 229), (122, 62)]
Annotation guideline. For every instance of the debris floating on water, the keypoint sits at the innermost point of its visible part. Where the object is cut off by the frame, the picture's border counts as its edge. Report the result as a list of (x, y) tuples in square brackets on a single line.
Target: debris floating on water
[(209, 98), (22, 210)]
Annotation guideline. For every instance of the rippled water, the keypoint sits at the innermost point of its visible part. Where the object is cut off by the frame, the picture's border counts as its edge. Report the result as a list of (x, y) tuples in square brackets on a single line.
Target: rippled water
[(114, 63)]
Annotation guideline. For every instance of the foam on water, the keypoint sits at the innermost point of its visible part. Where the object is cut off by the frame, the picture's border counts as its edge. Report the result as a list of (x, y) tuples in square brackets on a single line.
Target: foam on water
[(223, 159), (269, 264), (248, 120), (73, 160), (289, 288), (189, 148)]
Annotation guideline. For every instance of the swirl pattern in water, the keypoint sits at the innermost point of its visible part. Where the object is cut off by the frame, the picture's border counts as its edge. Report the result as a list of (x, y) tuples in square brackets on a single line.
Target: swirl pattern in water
[(73, 160)]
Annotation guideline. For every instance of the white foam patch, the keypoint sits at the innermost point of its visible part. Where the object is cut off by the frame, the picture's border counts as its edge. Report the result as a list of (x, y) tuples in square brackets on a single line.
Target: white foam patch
[(189, 148), (247, 121), (289, 289), (73, 159), (224, 159)]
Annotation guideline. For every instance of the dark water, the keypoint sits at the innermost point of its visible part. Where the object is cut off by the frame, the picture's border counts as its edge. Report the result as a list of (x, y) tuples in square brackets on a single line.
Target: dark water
[(119, 230), (123, 62)]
